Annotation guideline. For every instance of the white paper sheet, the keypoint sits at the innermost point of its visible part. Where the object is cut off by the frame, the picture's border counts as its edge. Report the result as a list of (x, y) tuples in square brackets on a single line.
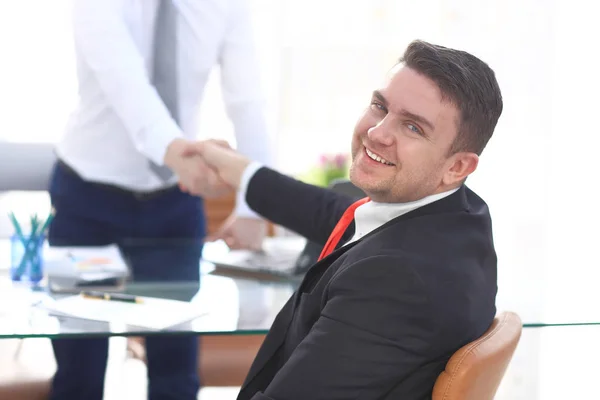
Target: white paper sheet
[(152, 313)]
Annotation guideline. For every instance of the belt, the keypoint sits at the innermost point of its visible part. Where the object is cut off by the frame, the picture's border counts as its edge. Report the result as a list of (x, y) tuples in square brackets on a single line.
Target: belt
[(138, 195)]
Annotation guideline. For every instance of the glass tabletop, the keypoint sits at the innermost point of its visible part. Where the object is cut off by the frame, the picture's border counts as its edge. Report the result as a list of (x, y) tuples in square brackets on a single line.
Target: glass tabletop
[(248, 304), (235, 306)]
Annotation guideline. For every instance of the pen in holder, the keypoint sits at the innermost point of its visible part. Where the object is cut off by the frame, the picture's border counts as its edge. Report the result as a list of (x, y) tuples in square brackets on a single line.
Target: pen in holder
[(26, 250)]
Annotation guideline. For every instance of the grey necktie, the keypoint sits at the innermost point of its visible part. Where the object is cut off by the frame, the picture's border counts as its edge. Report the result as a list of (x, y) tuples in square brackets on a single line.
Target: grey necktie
[(164, 73)]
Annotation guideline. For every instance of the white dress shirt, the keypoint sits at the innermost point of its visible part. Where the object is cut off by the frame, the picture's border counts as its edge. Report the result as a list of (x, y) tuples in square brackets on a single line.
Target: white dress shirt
[(371, 215), (367, 217), (120, 122)]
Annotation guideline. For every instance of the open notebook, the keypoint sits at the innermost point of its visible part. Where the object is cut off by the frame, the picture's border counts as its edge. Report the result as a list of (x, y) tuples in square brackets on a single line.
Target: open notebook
[(278, 257), (152, 313)]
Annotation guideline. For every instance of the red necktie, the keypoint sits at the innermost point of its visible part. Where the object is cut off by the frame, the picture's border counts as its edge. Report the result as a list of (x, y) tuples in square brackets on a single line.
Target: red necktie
[(340, 228)]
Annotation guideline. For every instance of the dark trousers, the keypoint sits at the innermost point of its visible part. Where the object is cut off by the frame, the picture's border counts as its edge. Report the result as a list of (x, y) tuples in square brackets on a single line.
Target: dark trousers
[(161, 239)]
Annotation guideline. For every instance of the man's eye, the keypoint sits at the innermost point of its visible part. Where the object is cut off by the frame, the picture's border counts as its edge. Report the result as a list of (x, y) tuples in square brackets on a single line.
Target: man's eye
[(378, 106), (414, 128)]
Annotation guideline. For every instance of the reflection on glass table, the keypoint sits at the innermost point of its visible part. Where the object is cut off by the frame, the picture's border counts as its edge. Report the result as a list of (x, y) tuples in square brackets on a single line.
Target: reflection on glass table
[(236, 306), (239, 305)]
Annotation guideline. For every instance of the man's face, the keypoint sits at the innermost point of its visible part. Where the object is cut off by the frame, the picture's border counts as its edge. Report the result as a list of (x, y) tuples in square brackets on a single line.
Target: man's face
[(408, 129)]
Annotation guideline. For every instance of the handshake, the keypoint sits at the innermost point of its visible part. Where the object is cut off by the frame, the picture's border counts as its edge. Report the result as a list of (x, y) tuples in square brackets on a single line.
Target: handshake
[(212, 168), (208, 168)]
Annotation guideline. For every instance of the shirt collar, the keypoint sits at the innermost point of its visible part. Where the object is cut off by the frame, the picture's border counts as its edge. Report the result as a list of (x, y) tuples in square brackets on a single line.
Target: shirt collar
[(372, 215)]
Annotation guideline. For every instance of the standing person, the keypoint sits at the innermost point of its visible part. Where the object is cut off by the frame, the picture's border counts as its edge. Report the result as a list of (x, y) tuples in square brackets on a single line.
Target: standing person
[(142, 67)]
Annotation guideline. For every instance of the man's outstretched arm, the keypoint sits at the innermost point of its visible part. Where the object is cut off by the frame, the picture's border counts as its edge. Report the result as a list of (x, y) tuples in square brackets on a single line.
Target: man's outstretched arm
[(308, 210)]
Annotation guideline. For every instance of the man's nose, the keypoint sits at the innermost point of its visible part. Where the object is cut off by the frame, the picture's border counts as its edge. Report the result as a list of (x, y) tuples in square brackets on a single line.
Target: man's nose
[(380, 133)]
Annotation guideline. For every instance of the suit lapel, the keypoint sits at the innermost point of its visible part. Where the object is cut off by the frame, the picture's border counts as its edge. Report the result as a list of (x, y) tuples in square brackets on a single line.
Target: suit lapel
[(273, 341), (279, 329), (319, 268)]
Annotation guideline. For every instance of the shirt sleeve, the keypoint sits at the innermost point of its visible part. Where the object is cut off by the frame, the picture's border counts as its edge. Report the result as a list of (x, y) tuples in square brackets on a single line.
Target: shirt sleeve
[(107, 48), (242, 209), (242, 93)]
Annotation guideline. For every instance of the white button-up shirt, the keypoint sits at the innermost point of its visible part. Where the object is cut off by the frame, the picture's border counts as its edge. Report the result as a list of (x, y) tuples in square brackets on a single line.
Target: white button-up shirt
[(120, 122)]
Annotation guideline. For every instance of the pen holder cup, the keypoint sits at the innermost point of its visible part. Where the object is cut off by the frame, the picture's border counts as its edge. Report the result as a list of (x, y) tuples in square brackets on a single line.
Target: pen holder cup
[(27, 264)]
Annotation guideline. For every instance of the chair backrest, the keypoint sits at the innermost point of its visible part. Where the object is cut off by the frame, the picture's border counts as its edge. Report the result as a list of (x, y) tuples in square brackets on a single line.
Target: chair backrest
[(475, 371), (25, 166)]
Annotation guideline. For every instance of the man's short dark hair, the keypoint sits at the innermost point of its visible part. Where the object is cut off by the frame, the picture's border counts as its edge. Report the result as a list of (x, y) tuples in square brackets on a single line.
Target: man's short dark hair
[(465, 81)]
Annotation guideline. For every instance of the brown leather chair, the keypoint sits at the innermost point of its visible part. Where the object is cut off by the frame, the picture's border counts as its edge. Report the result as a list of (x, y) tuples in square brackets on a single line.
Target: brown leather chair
[(475, 371)]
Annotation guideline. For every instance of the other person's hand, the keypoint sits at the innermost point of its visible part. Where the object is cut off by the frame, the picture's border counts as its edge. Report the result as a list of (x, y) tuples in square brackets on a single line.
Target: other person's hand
[(195, 176), (242, 233)]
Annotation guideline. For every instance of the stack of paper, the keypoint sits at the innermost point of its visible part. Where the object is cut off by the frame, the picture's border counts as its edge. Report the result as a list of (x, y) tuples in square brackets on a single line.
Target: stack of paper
[(151, 313), (71, 267)]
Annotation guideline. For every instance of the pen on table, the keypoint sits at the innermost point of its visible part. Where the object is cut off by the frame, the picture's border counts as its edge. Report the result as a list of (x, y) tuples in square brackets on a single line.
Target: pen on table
[(112, 296)]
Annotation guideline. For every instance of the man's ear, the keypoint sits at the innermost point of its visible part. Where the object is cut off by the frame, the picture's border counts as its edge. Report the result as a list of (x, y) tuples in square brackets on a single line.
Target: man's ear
[(461, 165)]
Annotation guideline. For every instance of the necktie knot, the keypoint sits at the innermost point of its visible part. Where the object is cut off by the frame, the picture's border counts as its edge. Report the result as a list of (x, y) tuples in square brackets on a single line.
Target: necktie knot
[(340, 228)]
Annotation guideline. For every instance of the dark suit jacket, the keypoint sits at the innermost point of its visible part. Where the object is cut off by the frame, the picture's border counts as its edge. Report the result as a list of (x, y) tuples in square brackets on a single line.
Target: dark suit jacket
[(380, 317)]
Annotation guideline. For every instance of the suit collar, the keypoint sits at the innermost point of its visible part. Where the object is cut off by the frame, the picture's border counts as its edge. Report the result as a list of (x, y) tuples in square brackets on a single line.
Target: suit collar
[(455, 202), (372, 215)]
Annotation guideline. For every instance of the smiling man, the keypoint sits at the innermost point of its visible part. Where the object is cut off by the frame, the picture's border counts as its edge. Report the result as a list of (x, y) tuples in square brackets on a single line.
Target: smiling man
[(407, 275)]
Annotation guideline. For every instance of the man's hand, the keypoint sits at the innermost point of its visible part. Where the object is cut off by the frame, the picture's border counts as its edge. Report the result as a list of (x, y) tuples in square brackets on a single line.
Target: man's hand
[(242, 233), (195, 176), (226, 162)]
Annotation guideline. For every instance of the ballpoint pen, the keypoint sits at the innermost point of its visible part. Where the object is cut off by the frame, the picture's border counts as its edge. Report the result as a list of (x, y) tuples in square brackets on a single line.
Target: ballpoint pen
[(112, 296)]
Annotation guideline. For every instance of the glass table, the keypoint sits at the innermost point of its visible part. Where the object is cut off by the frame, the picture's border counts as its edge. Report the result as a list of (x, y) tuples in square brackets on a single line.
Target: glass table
[(244, 305), (236, 306)]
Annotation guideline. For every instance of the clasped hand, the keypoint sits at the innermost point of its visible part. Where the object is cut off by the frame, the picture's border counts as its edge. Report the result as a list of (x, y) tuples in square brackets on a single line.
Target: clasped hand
[(195, 175), (212, 169), (209, 168)]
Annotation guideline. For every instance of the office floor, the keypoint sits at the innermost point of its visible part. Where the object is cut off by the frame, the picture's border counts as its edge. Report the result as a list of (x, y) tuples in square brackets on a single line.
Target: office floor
[(126, 378), (128, 381)]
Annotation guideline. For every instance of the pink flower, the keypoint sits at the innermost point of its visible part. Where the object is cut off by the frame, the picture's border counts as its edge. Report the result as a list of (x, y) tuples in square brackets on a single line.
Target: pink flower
[(340, 160), (323, 160)]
